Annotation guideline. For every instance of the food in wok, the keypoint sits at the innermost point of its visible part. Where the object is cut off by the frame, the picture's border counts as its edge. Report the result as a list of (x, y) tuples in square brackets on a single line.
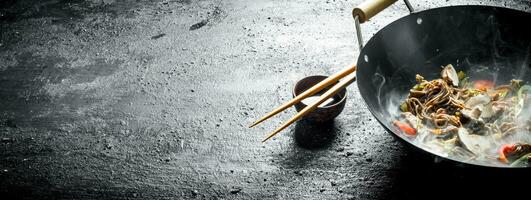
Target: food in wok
[(470, 120)]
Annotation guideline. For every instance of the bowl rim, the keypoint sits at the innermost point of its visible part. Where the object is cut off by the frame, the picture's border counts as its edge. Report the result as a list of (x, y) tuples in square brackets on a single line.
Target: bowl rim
[(297, 84)]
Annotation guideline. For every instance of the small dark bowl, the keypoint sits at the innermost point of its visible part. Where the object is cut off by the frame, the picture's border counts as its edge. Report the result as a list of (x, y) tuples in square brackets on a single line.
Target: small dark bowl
[(324, 113)]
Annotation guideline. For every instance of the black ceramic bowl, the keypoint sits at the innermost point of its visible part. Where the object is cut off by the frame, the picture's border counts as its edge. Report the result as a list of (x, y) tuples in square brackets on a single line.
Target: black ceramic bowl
[(326, 111)]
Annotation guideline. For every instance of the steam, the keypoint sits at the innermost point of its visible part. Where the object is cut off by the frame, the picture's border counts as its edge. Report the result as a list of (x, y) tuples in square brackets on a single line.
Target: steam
[(524, 64), (523, 120), (392, 99), (380, 86), (502, 58)]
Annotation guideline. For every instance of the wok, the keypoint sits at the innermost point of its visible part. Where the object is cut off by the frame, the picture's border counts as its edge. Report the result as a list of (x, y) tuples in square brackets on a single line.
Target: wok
[(484, 41)]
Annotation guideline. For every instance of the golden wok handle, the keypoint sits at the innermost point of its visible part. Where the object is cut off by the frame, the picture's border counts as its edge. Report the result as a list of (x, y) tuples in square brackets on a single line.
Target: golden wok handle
[(369, 8)]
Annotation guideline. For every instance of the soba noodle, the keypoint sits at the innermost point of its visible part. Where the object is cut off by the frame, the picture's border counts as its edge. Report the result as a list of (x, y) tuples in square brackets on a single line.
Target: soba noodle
[(473, 121)]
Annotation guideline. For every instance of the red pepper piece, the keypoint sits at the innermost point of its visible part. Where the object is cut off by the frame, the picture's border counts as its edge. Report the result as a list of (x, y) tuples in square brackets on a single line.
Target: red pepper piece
[(405, 127), (483, 84), (504, 150)]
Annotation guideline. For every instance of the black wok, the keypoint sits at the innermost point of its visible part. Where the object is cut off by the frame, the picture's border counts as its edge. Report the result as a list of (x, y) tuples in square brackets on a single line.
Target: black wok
[(486, 42)]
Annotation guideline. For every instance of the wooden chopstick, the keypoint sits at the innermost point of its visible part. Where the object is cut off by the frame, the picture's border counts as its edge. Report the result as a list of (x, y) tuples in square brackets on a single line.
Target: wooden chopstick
[(316, 88), (328, 94)]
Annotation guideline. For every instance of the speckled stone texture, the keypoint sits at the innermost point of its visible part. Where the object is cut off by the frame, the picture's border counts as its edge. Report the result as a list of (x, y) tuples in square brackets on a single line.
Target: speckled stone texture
[(116, 99)]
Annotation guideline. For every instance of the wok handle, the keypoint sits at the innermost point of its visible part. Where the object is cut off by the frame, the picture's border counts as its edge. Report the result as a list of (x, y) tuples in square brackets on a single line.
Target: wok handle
[(370, 8)]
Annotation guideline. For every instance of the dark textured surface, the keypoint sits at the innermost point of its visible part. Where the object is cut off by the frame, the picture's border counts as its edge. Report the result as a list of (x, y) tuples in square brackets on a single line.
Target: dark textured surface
[(150, 99)]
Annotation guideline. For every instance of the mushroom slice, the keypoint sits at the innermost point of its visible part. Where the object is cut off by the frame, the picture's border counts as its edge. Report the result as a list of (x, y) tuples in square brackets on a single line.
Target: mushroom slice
[(450, 75), (477, 100), (477, 144)]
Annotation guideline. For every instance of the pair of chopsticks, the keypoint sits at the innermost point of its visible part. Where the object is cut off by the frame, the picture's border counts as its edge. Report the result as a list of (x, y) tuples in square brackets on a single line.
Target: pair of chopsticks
[(313, 90)]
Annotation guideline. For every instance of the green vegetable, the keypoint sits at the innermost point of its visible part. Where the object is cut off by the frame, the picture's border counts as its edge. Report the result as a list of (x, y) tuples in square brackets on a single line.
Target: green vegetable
[(519, 99), (463, 82), (461, 75), (526, 89), (403, 107), (519, 161), (473, 92), (516, 84), (503, 94), (420, 86)]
